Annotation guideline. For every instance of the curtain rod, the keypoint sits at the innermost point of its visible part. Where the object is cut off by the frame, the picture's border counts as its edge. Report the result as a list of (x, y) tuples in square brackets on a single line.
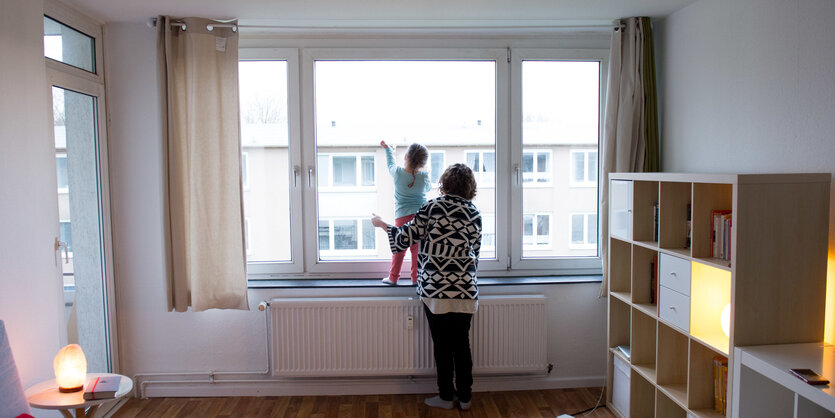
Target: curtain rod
[(152, 22), (616, 24)]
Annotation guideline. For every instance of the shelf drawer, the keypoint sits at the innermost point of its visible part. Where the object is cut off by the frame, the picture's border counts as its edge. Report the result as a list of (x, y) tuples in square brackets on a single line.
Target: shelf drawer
[(620, 225), (620, 386), (674, 308), (674, 273)]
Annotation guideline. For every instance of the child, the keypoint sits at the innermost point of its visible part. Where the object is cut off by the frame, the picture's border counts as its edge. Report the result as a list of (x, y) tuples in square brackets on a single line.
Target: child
[(410, 187)]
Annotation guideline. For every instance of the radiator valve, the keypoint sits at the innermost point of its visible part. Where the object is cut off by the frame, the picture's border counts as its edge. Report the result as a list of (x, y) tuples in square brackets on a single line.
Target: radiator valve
[(410, 322), (550, 367)]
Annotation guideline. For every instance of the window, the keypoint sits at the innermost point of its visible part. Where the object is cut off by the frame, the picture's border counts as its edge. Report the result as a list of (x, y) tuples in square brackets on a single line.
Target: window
[(536, 167), (65, 44), (536, 231), (560, 120), (583, 230), (436, 165), (246, 235), (346, 238), (447, 105), (66, 235), (345, 170), (483, 164), (584, 168), (514, 122), (269, 179), (245, 170), (63, 175)]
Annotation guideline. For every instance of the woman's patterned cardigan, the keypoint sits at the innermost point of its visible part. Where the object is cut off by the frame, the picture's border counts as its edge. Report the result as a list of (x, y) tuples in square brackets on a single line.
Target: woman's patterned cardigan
[(448, 229)]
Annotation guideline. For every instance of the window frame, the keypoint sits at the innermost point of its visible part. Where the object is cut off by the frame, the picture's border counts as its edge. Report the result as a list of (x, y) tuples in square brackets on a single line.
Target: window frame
[(479, 175), (585, 245), (333, 252), (535, 174), (535, 245), (357, 169), (366, 268), (572, 182), (561, 264), (295, 266), (508, 147), (436, 184)]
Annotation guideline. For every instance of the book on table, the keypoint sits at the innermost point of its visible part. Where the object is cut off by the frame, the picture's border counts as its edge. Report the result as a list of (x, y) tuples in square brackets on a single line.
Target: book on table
[(104, 387)]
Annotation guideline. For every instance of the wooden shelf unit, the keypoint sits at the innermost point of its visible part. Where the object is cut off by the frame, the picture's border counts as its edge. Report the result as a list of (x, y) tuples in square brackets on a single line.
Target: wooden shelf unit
[(773, 285)]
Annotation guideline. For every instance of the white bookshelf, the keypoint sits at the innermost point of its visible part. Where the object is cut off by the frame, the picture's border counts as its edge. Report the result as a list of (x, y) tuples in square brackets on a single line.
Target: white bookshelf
[(774, 281)]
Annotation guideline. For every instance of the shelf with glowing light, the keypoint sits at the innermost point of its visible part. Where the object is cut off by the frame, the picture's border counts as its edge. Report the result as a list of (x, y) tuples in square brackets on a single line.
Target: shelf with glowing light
[(710, 298)]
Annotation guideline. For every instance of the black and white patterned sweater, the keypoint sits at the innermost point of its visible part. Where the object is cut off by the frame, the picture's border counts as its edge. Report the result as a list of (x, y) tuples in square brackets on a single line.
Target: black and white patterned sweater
[(448, 230)]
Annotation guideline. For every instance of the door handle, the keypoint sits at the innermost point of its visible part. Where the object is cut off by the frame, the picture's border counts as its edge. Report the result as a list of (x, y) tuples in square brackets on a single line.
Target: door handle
[(59, 245)]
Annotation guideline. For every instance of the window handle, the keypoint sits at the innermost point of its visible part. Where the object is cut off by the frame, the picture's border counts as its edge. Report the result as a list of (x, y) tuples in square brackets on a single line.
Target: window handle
[(309, 177), (516, 171), (63, 245), (296, 176)]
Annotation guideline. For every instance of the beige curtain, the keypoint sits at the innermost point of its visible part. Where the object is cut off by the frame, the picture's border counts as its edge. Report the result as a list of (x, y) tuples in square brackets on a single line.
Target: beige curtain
[(630, 130), (206, 253)]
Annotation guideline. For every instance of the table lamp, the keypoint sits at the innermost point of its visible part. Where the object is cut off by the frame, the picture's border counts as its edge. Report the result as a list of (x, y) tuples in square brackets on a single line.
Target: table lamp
[(70, 368)]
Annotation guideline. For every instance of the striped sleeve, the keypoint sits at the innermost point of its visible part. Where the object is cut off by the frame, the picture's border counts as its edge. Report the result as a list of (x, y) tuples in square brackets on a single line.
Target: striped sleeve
[(401, 238)]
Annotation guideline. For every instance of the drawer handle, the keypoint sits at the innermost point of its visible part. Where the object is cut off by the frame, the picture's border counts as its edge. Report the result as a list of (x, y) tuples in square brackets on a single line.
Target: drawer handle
[(672, 273), (673, 308)]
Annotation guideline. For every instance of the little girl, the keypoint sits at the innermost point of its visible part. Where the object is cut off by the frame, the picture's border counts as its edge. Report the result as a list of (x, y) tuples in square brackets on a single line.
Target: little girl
[(410, 187)]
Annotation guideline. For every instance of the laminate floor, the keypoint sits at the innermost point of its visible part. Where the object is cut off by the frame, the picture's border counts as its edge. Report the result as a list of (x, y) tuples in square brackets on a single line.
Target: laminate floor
[(535, 403)]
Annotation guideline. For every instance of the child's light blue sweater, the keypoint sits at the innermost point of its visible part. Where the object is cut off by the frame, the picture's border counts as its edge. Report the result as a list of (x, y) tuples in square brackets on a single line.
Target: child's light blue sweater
[(407, 200)]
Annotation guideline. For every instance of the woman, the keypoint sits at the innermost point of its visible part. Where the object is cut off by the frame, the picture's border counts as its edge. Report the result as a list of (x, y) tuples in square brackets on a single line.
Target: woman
[(448, 230)]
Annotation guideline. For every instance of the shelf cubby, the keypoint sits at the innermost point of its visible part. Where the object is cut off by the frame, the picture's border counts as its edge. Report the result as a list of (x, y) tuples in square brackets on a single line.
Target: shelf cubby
[(672, 362), (665, 407), (643, 344), (620, 254), (643, 260), (675, 198), (619, 321), (707, 197), (710, 295), (700, 386), (645, 196), (641, 396)]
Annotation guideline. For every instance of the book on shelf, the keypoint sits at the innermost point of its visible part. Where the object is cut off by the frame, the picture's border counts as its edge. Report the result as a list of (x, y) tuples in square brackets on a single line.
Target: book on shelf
[(656, 213), (689, 223), (653, 280), (720, 384), (104, 387), (721, 234)]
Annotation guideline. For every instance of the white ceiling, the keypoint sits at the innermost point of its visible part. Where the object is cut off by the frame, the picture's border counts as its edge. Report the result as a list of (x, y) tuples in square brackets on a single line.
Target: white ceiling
[(387, 13)]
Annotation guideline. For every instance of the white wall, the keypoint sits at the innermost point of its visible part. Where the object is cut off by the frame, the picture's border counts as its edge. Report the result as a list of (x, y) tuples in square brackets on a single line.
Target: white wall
[(155, 341), (749, 86), (31, 301)]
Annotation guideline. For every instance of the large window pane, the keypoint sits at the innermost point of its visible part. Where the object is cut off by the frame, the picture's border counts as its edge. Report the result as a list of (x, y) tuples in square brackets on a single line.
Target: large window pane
[(560, 113), (265, 153), (65, 44), (448, 106)]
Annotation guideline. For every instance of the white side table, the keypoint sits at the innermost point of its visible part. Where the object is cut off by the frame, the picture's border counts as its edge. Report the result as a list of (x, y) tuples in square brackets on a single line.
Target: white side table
[(45, 395)]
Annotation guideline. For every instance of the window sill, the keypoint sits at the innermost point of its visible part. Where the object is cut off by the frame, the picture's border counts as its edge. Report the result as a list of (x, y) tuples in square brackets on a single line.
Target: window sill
[(484, 281)]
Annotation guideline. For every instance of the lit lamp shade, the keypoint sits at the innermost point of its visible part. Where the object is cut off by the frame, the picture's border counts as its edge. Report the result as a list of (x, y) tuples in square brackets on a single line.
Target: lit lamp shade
[(725, 320), (70, 368)]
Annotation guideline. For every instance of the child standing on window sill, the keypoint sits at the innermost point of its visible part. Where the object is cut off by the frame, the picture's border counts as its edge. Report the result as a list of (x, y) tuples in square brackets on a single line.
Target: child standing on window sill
[(410, 188)]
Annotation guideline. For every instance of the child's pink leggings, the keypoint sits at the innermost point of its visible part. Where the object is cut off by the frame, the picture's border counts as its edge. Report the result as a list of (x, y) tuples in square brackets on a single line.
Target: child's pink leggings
[(397, 258)]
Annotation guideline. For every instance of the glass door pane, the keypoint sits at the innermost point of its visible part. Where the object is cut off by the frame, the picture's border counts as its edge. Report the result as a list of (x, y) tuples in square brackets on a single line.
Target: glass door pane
[(75, 124)]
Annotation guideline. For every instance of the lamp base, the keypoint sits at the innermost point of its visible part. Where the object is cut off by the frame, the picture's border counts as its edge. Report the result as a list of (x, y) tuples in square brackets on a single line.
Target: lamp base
[(70, 390)]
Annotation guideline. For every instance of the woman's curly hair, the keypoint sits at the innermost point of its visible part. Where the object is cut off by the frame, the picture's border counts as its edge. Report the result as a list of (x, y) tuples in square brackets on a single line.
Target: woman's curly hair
[(458, 179)]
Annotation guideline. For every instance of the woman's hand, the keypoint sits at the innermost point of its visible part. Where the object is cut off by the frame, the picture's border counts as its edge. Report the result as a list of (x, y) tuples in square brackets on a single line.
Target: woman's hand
[(383, 144), (377, 221)]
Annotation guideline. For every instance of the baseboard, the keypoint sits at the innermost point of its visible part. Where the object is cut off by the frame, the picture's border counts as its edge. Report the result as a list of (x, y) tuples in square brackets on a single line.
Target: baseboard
[(151, 386)]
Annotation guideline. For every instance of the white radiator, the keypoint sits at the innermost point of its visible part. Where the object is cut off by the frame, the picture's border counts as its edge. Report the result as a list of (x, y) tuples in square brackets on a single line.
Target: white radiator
[(313, 337)]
